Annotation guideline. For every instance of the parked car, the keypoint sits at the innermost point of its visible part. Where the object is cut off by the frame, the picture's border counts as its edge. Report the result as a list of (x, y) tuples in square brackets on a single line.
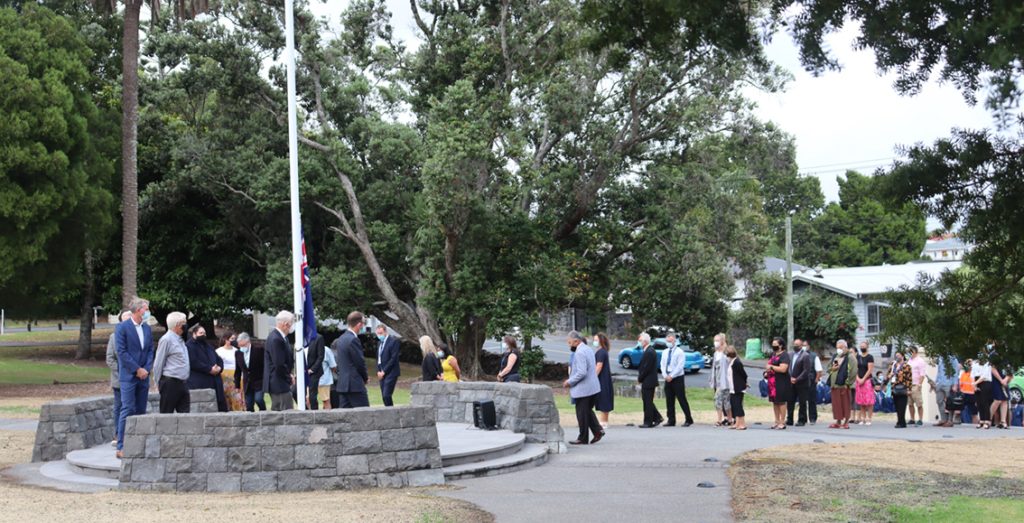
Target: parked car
[(1017, 387), (630, 358)]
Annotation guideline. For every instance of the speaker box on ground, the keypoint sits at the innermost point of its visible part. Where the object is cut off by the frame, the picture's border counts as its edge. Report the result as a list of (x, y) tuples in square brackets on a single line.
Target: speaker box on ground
[(484, 416)]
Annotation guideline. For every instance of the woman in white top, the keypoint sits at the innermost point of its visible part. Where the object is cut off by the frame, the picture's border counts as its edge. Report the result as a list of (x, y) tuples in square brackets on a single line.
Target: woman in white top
[(981, 373), (226, 351)]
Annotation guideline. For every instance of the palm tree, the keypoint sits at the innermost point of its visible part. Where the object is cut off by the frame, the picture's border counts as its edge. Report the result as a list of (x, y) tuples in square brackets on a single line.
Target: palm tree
[(130, 127)]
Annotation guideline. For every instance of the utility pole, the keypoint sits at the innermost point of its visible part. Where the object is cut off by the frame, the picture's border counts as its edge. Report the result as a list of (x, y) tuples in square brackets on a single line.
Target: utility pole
[(789, 281)]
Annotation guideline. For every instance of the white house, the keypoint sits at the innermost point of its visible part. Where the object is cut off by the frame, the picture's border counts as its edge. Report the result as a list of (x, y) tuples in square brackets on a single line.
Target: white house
[(771, 265), (865, 286), (945, 248)]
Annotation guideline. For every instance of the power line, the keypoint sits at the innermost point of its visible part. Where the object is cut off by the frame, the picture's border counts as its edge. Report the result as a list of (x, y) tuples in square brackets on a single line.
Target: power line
[(886, 159)]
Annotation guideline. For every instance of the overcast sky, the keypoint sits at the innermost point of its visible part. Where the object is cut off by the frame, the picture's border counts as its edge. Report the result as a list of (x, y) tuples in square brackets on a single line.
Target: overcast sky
[(844, 119)]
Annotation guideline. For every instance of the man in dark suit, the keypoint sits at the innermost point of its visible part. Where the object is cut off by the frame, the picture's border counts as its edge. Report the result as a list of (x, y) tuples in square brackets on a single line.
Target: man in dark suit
[(387, 364), (279, 362), (352, 377), (134, 342), (314, 369), (800, 377), (647, 376)]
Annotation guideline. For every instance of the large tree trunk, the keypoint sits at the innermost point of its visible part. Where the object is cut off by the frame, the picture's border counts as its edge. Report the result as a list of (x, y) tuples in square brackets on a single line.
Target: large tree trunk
[(85, 323), (471, 336), (129, 145)]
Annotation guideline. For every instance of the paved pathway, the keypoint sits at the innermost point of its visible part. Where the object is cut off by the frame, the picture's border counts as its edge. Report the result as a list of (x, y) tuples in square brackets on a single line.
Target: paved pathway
[(651, 475)]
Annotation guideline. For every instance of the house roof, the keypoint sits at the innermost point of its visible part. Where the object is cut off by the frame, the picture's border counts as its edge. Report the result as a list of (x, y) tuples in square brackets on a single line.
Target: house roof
[(858, 282), (771, 265), (945, 244)]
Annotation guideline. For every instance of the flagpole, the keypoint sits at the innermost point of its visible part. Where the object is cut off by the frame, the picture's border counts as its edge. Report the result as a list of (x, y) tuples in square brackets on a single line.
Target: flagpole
[(293, 171)]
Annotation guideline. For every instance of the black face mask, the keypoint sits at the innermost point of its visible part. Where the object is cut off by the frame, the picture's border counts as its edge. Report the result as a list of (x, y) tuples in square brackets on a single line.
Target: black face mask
[(573, 348)]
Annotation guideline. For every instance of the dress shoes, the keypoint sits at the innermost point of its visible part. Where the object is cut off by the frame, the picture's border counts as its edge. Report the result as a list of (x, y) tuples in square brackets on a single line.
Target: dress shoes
[(578, 442), (670, 424), (688, 423), (646, 426), (800, 424), (597, 437)]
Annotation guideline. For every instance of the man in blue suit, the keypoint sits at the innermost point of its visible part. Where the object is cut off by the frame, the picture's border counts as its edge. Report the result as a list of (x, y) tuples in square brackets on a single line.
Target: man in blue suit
[(134, 341), (352, 378), (387, 364)]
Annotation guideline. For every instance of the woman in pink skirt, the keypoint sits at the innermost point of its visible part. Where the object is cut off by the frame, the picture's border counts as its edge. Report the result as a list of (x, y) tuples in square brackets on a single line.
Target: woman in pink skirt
[(865, 389)]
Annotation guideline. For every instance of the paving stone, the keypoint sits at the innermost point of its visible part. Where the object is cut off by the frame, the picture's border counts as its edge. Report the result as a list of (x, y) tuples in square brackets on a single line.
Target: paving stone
[(424, 478)]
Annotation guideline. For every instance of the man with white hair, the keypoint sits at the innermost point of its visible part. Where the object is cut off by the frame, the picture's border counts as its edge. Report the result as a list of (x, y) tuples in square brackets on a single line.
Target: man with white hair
[(171, 367), (647, 376), (134, 341), (279, 362)]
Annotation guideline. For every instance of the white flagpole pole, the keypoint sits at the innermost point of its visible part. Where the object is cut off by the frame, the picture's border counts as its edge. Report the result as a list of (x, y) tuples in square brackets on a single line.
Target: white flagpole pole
[(293, 168)]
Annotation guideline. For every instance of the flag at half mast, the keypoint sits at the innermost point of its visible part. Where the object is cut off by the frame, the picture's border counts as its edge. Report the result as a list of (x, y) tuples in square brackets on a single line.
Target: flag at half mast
[(308, 316)]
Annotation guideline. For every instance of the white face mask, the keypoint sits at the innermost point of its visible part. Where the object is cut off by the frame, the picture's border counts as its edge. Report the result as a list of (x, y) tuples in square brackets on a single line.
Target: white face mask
[(718, 345)]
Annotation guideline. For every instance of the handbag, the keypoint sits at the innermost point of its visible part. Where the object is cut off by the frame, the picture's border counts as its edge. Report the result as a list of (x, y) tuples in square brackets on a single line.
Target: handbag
[(899, 389), (955, 402)]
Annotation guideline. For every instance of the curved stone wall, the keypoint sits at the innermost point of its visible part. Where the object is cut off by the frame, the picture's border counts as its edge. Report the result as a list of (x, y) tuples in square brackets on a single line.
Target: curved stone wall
[(522, 408), (82, 423), (282, 451)]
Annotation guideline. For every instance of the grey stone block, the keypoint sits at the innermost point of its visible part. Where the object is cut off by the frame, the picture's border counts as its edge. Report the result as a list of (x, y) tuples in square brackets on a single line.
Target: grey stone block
[(218, 420), (192, 482), (126, 470), (224, 482), (190, 424), (173, 466), (245, 419), (383, 462), (310, 456), (366, 442), (134, 446), (209, 460), (259, 436), (259, 481), (76, 441), (350, 465), (359, 482), (142, 425), (199, 441), (319, 434), (291, 434), (147, 470), (229, 436), (324, 472), (397, 439), (412, 460), (391, 479), (270, 418), (172, 446), (294, 481), (328, 483), (152, 446), (278, 458), (424, 478), (426, 437), (243, 459)]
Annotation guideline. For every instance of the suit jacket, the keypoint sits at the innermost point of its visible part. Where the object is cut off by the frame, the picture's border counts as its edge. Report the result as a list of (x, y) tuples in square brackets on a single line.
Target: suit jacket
[(583, 380), (803, 368), (278, 362), (131, 355), (201, 358), (647, 371), (431, 367), (250, 375), (388, 358), (115, 378), (739, 376), (315, 360), (348, 353)]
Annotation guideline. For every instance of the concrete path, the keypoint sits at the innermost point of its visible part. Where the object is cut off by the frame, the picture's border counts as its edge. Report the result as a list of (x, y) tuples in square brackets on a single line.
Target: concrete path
[(652, 475), (18, 424)]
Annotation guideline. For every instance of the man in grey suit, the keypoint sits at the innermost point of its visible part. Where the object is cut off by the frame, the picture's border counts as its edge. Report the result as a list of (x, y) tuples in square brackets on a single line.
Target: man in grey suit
[(352, 377), (115, 381), (279, 363), (584, 387), (801, 377)]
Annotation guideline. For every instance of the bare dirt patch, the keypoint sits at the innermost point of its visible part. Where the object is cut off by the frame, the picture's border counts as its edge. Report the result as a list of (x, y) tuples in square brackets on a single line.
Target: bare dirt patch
[(23, 503), (860, 481)]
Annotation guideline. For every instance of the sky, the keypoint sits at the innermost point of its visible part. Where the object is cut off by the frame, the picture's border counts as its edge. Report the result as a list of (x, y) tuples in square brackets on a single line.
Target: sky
[(852, 118)]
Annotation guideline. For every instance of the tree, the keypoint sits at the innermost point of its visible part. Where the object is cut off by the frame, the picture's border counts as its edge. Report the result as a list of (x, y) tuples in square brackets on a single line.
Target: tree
[(54, 190)]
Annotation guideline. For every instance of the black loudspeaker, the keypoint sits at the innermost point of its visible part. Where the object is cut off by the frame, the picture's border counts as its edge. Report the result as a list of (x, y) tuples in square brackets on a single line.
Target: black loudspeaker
[(484, 416)]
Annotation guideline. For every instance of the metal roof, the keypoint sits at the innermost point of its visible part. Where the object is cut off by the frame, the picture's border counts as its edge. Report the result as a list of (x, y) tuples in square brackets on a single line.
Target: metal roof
[(858, 282)]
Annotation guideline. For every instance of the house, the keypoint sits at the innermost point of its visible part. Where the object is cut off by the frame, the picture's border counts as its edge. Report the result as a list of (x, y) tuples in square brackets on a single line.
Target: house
[(771, 265), (945, 248), (865, 287)]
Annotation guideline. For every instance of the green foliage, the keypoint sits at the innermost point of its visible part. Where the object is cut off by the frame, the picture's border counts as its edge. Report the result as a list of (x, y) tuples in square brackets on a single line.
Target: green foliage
[(55, 200), (765, 297), (531, 362), (820, 317)]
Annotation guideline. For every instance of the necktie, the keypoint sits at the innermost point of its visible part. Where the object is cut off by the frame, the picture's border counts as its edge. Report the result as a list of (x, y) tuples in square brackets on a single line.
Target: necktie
[(670, 351)]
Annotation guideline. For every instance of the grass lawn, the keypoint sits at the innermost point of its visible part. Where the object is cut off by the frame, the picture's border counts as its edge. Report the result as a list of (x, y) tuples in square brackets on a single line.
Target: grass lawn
[(699, 399), (959, 508), (69, 334), (46, 365)]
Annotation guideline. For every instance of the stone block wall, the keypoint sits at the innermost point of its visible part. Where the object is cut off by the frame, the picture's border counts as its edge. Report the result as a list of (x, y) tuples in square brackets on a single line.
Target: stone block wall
[(81, 423), (282, 451), (521, 408)]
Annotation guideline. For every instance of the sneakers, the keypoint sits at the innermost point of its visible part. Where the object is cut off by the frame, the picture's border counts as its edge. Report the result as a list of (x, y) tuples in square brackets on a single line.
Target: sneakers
[(919, 423)]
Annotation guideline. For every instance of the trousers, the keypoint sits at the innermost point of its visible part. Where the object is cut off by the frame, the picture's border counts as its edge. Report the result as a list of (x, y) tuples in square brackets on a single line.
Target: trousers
[(174, 395), (676, 390)]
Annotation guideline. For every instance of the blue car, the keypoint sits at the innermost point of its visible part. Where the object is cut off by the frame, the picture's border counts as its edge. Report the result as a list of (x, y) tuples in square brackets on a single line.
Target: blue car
[(630, 358)]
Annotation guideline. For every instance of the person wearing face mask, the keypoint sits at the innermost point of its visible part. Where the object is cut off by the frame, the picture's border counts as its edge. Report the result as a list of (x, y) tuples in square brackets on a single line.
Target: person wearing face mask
[(206, 366), (605, 398), (352, 376), (966, 385), (779, 386), (673, 368), (432, 370), (509, 372), (981, 374), (584, 387), (134, 343), (865, 391), (841, 376), (279, 363), (918, 369), (249, 373), (387, 364), (647, 377), (902, 378), (171, 367), (314, 369), (450, 370), (718, 381)]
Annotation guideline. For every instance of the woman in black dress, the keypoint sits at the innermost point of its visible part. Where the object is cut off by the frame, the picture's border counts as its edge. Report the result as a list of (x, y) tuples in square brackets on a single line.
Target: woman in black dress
[(509, 372), (779, 386), (606, 398), (432, 370)]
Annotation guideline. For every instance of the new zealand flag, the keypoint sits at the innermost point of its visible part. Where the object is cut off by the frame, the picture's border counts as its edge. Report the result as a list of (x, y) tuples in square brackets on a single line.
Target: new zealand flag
[(308, 316)]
